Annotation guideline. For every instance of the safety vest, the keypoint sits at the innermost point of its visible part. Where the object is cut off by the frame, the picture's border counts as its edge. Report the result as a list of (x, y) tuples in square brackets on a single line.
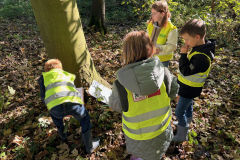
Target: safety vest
[(198, 79), (162, 38), (60, 88), (147, 116)]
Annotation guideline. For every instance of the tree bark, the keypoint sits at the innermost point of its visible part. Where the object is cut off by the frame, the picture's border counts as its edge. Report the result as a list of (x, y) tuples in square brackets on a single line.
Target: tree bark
[(60, 27), (98, 16)]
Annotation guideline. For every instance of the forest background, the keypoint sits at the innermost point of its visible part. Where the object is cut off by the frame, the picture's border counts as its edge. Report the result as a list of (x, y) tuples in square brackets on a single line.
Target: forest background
[(26, 129)]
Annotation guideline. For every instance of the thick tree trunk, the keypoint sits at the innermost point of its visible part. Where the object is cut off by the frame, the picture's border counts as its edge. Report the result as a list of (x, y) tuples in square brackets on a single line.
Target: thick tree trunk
[(98, 16), (61, 30)]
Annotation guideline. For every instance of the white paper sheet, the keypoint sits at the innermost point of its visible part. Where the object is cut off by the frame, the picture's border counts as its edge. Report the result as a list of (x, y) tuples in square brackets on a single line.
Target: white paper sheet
[(99, 91)]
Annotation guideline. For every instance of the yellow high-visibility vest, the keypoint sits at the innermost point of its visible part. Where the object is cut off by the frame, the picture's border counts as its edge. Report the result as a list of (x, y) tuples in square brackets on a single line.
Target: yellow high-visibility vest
[(147, 116), (198, 79), (60, 88), (162, 38)]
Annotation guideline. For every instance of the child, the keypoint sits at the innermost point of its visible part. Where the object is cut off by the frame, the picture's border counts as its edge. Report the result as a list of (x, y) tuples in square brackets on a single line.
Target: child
[(194, 69), (59, 93), (162, 32), (142, 94)]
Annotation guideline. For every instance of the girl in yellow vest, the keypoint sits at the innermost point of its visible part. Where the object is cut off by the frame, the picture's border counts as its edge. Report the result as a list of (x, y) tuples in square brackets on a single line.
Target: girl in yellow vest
[(142, 93), (162, 32)]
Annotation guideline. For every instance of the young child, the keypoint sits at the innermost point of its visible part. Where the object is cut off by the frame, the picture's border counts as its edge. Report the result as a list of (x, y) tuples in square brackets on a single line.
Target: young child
[(59, 93), (194, 69), (142, 94), (163, 33)]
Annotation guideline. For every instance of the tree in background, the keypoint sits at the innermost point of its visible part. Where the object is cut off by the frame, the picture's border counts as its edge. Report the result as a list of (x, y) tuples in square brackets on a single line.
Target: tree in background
[(60, 27), (98, 16)]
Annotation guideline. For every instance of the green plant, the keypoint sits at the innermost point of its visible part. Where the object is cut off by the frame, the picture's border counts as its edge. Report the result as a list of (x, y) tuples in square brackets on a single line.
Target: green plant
[(50, 149), (2, 155), (15, 9), (33, 147), (20, 150), (192, 135), (6, 98)]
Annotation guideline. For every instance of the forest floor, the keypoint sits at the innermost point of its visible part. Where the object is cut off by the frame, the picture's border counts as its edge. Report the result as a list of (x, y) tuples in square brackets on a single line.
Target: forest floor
[(26, 129)]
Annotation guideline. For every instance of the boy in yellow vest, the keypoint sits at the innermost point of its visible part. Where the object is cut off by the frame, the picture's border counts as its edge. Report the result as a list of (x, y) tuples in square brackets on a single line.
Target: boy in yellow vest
[(60, 95), (194, 69)]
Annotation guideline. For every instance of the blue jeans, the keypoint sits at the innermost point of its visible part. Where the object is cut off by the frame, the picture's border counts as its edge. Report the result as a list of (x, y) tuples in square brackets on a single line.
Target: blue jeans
[(76, 110), (166, 63), (184, 109)]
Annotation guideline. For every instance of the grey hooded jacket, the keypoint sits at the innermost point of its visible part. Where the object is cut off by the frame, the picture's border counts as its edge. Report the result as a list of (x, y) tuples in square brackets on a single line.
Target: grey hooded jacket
[(144, 78)]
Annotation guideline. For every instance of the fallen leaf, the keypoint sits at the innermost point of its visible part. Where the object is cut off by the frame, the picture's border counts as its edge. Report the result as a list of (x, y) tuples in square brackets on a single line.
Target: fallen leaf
[(41, 154), (63, 147), (74, 153), (7, 132), (65, 154), (203, 139), (54, 156), (15, 139)]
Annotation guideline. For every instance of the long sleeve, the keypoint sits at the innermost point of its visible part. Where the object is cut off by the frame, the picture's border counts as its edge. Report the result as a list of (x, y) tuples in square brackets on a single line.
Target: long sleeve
[(171, 44), (171, 83), (114, 99), (42, 88), (198, 63)]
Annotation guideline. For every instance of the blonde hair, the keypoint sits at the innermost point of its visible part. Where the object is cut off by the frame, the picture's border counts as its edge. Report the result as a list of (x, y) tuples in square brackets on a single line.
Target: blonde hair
[(52, 64), (161, 6), (137, 46)]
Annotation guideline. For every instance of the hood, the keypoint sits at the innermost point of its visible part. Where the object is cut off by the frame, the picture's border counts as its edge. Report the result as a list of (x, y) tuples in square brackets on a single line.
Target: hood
[(208, 48), (144, 77)]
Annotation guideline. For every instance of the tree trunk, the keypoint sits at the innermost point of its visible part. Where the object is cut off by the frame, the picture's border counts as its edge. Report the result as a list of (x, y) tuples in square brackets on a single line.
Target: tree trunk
[(60, 27), (98, 16)]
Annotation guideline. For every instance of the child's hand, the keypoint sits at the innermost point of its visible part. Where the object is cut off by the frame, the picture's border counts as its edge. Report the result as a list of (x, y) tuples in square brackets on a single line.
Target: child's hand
[(184, 49), (157, 50)]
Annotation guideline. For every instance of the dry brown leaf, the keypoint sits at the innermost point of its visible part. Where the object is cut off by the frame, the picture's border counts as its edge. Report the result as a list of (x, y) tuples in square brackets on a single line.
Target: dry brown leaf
[(41, 154), (15, 139), (54, 156), (74, 153), (65, 154), (63, 147)]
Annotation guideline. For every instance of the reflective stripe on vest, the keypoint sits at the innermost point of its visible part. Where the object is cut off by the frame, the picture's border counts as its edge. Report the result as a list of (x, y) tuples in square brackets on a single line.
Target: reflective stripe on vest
[(150, 128), (147, 116), (198, 79), (60, 88), (162, 38)]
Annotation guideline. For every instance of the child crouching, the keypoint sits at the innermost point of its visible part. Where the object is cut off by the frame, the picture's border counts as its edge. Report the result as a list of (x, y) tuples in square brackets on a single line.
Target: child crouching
[(59, 93)]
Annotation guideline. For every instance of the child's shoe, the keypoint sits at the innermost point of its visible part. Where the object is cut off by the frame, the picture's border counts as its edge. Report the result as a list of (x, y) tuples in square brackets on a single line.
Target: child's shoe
[(90, 144)]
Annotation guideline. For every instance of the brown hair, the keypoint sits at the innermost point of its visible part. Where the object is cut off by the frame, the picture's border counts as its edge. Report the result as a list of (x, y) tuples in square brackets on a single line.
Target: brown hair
[(194, 27), (161, 6), (137, 46), (52, 64)]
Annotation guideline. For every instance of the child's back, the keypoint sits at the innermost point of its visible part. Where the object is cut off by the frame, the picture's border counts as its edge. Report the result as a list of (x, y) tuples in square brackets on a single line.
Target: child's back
[(142, 96)]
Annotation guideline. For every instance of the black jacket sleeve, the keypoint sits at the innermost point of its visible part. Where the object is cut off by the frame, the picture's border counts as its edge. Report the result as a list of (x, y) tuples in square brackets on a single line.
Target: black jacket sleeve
[(198, 63), (42, 88)]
